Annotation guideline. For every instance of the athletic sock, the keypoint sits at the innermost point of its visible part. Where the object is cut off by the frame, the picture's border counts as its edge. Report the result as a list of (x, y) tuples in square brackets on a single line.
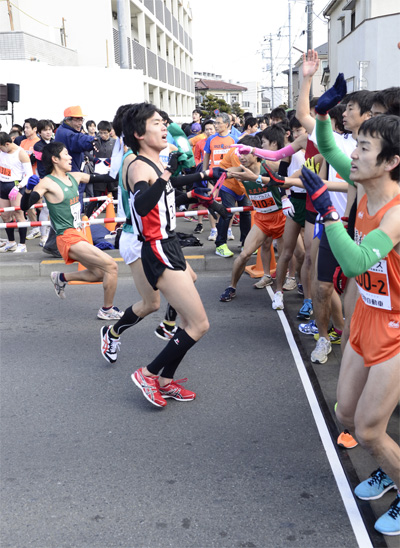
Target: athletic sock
[(62, 277), (22, 235), (129, 319), (172, 355), (170, 315)]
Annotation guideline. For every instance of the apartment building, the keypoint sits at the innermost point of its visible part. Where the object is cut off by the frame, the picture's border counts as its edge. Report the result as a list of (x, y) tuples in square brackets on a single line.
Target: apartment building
[(65, 53)]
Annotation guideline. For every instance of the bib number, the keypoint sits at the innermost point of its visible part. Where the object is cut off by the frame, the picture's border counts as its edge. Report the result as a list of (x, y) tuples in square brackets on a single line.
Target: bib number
[(171, 209), (373, 286), (264, 203), (76, 214)]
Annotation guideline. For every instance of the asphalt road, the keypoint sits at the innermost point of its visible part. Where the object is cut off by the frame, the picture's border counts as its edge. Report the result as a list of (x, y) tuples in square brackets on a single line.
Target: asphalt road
[(87, 462)]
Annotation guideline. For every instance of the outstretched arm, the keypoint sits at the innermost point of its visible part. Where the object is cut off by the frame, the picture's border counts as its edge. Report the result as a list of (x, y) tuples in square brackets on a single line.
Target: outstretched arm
[(310, 67)]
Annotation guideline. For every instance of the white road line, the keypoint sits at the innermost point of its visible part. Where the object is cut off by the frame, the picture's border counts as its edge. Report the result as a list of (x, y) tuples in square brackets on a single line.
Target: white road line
[(352, 510)]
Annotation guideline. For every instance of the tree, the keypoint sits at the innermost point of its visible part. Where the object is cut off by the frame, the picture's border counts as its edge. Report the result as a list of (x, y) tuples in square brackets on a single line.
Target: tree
[(212, 102), (236, 109)]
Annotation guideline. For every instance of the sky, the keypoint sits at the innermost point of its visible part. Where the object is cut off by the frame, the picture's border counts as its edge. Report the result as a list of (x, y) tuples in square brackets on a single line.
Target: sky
[(229, 41)]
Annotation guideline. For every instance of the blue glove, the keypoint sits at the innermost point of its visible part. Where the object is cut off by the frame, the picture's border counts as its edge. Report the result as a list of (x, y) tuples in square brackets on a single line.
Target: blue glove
[(318, 192), (332, 96), (32, 182)]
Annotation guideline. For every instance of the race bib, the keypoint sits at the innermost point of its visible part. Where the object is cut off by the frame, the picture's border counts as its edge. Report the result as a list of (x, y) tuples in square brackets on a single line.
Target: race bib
[(171, 209), (264, 203), (374, 286), (76, 214)]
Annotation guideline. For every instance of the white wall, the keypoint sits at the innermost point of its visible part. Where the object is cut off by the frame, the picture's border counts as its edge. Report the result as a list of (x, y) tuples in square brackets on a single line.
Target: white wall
[(86, 22), (374, 41), (46, 91)]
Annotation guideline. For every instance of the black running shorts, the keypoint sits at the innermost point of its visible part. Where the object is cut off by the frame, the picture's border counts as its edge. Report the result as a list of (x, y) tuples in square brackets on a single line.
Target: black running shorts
[(159, 255), (326, 261)]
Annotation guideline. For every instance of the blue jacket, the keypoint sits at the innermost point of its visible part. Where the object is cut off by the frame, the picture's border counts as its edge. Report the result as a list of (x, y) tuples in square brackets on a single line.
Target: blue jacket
[(76, 143)]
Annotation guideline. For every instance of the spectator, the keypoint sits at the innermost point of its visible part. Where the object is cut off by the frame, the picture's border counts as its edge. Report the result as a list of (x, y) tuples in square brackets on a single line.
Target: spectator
[(91, 128), (15, 170)]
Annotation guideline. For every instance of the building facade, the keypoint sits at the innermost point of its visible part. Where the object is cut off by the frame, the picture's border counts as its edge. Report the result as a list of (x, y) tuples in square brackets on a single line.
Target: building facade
[(231, 93), (66, 53), (363, 43)]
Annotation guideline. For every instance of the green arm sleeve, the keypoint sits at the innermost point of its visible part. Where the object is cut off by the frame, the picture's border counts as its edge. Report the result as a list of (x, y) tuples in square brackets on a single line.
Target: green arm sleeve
[(356, 259), (330, 151)]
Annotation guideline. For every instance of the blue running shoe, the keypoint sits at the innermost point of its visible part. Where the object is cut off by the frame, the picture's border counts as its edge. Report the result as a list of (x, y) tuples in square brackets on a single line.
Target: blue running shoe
[(306, 310), (309, 328), (228, 295), (375, 486), (389, 523)]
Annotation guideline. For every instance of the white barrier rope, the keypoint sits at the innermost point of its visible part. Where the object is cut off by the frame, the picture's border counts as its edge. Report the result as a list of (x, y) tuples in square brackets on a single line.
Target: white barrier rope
[(122, 219)]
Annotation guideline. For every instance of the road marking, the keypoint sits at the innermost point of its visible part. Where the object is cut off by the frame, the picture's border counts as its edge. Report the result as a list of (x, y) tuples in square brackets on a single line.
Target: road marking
[(350, 505)]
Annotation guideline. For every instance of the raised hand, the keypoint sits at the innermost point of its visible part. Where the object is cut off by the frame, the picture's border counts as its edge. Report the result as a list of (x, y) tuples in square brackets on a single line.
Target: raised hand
[(310, 63)]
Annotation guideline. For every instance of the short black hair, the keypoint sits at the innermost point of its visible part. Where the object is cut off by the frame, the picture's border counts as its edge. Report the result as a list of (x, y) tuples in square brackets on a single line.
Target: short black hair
[(336, 113), (284, 124), (290, 114), (119, 115), (279, 113), (389, 98), (19, 127), (4, 138), (249, 122), (90, 123), (134, 121), (251, 141), (198, 111), (247, 115), (363, 98), (52, 149), (314, 102), (165, 116), (43, 124), (206, 123), (387, 129), (295, 123), (32, 122), (104, 126), (274, 134)]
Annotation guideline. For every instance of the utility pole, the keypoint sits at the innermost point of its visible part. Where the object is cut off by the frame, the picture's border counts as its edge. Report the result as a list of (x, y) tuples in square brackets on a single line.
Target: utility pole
[(10, 15), (271, 59), (310, 7), (290, 90), (123, 34)]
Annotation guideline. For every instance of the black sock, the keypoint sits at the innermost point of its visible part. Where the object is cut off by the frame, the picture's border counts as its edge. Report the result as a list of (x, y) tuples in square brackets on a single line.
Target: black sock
[(172, 355), (10, 234), (62, 277), (22, 235), (129, 319), (170, 314)]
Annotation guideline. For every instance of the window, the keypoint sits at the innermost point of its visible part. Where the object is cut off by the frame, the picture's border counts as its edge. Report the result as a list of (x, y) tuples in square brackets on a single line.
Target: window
[(342, 27), (353, 20)]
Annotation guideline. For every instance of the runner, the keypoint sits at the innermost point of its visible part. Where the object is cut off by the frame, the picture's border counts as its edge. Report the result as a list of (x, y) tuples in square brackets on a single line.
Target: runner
[(269, 221), (368, 386), (153, 202), (60, 189)]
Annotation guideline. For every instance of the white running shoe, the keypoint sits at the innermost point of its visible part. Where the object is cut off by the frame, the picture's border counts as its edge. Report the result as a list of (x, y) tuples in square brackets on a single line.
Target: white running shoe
[(21, 248), (10, 246), (34, 233), (290, 284), (321, 351), (213, 235), (114, 313), (264, 282), (59, 286), (277, 303), (230, 234)]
